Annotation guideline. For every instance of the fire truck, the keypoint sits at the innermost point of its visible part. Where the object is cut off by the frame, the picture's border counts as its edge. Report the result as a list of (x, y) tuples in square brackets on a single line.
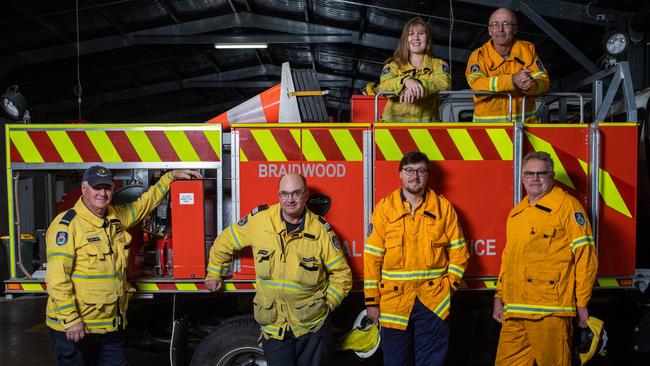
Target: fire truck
[(600, 158)]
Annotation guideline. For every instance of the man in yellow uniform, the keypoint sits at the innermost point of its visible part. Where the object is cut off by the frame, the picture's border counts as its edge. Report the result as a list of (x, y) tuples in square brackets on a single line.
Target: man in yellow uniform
[(301, 274), (505, 64), (414, 259), (548, 268), (87, 257)]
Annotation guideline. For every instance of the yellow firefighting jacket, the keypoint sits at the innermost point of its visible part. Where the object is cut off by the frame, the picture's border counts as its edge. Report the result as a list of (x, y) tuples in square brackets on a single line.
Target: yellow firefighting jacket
[(549, 263), (406, 255), (87, 257), (488, 70), (300, 276), (434, 76)]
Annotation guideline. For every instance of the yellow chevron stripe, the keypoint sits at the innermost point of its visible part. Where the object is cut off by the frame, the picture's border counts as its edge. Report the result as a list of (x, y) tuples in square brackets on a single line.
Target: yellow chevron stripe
[(490, 284), (147, 286), (561, 174), (186, 286), (608, 190), (214, 138), (104, 146), (501, 141), (426, 144), (229, 286), (347, 145), (26, 147), (608, 282), (310, 147), (143, 146), (64, 146), (182, 146), (242, 156), (387, 145), (268, 145), (465, 144), (32, 287)]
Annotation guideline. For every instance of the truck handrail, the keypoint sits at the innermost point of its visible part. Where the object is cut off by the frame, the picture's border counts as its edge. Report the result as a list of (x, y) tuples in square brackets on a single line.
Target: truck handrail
[(556, 94), (447, 92)]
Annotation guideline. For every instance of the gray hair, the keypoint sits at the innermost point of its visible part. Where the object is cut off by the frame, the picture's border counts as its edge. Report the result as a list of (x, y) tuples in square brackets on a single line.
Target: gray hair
[(539, 155)]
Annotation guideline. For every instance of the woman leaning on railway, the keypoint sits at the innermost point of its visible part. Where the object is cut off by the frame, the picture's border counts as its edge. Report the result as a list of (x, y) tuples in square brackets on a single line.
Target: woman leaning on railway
[(414, 76)]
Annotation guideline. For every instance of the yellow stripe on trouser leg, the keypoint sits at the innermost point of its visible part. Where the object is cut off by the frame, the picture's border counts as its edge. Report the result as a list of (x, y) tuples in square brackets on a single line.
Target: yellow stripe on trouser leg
[(543, 341)]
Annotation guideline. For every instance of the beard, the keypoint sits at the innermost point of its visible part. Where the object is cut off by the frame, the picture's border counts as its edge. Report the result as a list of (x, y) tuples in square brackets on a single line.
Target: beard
[(416, 191)]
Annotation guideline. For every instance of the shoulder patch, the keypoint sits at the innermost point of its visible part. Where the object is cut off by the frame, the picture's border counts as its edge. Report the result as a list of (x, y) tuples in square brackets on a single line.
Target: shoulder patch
[(259, 208), (580, 218), (61, 238), (539, 64), (385, 70), (67, 217), (243, 221), (327, 225), (445, 68), (474, 68), (335, 242), (369, 229)]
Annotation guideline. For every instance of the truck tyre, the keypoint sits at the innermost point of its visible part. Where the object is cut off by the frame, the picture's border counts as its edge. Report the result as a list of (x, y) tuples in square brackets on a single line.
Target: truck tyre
[(232, 343)]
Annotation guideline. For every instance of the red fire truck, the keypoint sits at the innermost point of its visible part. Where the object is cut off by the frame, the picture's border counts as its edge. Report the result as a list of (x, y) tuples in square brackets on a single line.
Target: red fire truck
[(349, 167)]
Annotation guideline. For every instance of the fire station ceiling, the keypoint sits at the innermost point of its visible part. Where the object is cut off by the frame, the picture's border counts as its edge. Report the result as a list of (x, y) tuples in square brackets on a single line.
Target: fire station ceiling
[(155, 60)]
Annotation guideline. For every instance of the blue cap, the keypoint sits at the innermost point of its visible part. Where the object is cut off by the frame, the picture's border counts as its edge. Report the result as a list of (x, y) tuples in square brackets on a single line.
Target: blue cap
[(97, 175)]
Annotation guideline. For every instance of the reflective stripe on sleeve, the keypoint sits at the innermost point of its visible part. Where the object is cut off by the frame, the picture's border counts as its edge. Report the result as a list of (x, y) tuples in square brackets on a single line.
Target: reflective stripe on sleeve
[(582, 241), (456, 269), (371, 284), (394, 319), (63, 255), (457, 244), (373, 250), (332, 290), (334, 262), (235, 236)]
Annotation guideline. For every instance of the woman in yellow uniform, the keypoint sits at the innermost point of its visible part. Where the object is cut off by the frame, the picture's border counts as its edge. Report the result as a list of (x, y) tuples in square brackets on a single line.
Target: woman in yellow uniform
[(414, 76)]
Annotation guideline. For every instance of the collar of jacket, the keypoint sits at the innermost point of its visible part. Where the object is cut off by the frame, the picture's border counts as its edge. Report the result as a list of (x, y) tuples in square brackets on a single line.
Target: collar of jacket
[(88, 216), (310, 224), (397, 210), (549, 203), (517, 50), (427, 64)]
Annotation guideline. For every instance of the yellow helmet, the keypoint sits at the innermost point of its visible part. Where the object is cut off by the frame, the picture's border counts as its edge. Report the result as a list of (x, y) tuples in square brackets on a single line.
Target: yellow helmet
[(363, 339), (590, 340)]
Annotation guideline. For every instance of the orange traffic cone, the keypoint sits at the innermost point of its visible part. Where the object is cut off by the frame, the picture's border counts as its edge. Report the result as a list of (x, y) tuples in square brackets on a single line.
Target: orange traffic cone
[(262, 108)]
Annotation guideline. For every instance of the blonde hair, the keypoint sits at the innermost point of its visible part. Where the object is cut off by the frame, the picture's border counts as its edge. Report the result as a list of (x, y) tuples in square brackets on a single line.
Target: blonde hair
[(401, 54)]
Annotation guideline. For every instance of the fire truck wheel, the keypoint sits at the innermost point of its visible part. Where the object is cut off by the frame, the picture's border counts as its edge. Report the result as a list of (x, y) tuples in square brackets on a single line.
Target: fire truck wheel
[(235, 342)]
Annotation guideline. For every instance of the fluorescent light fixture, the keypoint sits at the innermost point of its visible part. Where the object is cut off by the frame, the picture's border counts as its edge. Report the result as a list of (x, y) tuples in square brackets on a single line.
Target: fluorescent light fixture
[(240, 45)]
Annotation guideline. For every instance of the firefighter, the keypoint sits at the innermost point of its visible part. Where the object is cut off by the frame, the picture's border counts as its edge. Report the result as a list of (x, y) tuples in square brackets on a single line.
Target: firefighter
[(414, 260), (548, 268), (87, 256), (505, 64), (301, 274), (414, 76)]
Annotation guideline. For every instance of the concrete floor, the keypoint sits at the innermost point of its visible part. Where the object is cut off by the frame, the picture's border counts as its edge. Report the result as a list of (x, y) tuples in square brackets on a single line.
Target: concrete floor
[(25, 340)]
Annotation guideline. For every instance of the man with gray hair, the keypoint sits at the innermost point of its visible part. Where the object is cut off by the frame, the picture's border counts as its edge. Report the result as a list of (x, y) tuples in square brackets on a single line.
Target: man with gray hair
[(548, 268)]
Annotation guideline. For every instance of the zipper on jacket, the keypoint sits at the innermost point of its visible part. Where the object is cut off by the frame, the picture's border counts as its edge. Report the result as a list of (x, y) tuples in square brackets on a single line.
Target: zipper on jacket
[(282, 256)]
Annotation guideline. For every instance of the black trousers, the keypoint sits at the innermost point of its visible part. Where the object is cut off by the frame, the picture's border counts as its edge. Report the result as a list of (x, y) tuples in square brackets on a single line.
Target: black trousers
[(311, 349), (94, 349)]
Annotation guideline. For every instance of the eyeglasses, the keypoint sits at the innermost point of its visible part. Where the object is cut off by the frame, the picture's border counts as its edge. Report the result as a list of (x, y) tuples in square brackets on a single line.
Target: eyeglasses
[(421, 172), (531, 175), (506, 25), (295, 194)]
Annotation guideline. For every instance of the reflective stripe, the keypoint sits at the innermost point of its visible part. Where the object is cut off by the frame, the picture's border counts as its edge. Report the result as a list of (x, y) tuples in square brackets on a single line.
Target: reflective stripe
[(303, 328), (217, 270), (536, 309), (63, 307), (235, 236), (271, 329), (493, 83), (394, 318), (130, 206), (160, 188), (457, 244), (60, 254), (443, 306), (413, 275), (98, 276), (457, 270), (334, 262), (332, 290), (284, 285), (371, 249), (370, 284), (582, 241)]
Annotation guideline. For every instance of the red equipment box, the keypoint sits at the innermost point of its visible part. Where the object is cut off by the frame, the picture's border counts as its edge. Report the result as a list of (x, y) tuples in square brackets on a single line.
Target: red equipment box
[(188, 228)]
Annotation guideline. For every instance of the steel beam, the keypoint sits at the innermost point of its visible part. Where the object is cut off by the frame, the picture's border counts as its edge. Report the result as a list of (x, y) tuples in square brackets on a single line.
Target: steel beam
[(242, 38)]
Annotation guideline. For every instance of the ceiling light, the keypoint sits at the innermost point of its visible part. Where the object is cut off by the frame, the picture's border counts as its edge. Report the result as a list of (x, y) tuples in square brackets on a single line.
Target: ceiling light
[(240, 45), (616, 42), (13, 103)]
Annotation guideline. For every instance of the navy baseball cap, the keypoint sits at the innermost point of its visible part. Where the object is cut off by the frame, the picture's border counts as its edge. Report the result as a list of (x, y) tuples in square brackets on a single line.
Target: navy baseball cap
[(98, 175)]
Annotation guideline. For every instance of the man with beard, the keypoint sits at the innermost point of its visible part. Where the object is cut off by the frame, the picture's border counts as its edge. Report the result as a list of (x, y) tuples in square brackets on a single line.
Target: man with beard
[(301, 274), (414, 260)]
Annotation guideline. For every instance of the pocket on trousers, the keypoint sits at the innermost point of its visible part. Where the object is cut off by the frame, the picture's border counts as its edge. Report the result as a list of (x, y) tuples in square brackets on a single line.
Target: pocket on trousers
[(265, 310)]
